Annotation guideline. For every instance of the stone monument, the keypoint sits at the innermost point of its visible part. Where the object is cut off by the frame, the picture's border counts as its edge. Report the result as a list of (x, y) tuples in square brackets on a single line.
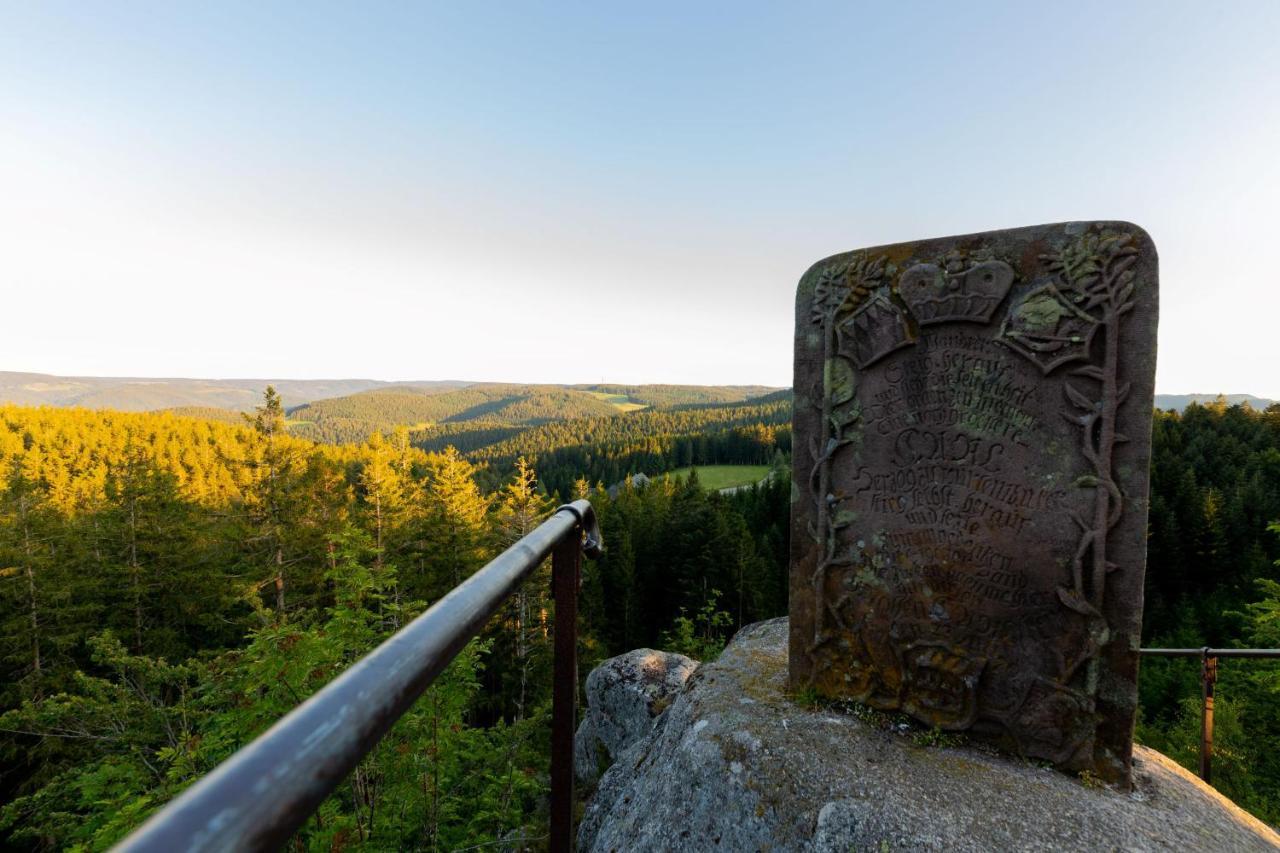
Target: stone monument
[(971, 449)]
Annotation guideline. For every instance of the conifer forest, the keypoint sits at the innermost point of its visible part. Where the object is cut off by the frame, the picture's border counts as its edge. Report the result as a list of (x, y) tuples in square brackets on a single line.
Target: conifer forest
[(173, 582)]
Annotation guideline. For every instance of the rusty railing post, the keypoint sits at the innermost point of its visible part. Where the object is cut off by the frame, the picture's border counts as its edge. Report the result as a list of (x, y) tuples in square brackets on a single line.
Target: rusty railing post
[(566, 570), (1208, 677)]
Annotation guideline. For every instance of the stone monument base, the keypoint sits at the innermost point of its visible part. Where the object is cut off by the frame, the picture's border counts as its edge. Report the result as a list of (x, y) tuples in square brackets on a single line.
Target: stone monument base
[(735, 764)]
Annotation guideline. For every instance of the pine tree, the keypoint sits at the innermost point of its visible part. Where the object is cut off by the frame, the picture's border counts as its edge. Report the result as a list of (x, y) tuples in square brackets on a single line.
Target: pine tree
[(450, 540), (520, 509), (165, 583), (24, 567), (270, 497), (382, 488)]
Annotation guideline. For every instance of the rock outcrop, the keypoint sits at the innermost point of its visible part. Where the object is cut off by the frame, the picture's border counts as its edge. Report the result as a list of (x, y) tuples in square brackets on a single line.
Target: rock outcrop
[(624, 696), (735, 764)]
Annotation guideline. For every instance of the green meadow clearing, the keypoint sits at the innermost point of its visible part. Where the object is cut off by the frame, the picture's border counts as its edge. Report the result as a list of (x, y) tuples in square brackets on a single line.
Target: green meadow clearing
[(715, 477), (621, 402)]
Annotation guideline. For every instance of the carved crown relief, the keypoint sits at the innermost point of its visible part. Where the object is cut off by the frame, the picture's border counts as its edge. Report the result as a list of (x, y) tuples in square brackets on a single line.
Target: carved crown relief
[(937, 294)]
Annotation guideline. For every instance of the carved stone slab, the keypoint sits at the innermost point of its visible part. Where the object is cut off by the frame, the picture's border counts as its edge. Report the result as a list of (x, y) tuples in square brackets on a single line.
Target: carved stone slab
[(971, 449)]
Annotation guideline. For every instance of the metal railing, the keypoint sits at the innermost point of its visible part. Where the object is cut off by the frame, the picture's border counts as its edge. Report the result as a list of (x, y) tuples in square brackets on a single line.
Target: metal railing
[(257, 798), (1208, 679)]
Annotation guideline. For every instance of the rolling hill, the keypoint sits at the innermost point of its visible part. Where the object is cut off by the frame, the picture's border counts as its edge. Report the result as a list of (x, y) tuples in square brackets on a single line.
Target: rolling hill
[(469, 416), (207, 413), (666, 396), (133, 394), (484, 413), (354, 417), (1178, 402)]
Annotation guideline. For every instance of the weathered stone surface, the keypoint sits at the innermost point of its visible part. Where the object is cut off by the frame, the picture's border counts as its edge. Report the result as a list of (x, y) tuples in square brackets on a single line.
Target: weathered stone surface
[(972, 442), (624, 695), (735, 765)]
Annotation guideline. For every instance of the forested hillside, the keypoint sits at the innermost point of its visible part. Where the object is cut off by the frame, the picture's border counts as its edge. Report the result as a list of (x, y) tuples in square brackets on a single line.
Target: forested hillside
[(487, 406), (600, 432), (356, 417), (208, 413), (170, 585), (650, 442)]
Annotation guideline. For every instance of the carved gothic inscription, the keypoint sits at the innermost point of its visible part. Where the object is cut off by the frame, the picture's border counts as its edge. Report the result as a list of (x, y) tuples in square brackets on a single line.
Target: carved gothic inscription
[(971, 451)]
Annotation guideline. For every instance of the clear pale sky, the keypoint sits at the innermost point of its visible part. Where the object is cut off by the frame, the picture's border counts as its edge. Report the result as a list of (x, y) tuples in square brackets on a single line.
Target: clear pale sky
[(587, 191)]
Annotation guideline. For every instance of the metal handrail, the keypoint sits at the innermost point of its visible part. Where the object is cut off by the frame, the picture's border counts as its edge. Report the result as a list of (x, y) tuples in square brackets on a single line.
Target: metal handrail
[(1214, 653), (257, 798), (1208, 679)]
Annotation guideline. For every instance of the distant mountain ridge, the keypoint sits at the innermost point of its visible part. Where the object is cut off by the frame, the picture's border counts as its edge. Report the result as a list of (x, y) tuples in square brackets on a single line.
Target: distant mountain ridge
[(140, 394), (361, 400), (1178, 402)]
